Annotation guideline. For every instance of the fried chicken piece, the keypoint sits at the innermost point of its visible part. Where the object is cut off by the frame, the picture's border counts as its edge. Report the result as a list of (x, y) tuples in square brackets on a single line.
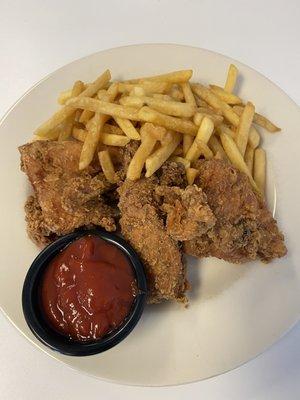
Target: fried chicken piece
[(143, 227), (68, 198), (188, 214), (245, 230), (172, 174), (36, 228)]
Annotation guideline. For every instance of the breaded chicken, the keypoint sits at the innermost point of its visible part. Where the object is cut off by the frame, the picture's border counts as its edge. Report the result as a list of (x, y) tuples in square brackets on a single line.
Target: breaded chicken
[(245, 230), (188, 214), (68, 198), (144, 229), (172, 174)]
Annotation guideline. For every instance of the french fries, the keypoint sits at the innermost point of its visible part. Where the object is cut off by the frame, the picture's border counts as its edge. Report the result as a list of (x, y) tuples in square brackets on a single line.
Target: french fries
[(128, 128), (215, 102), (259, 169), (156, 159), (171, 117), (191, 175), (149, 87), (173, 123), (109, 139), (78, 86), (176, 93), (242, 132), (204, 133), (249, 158), (198, 117), (107, 166), (229, 98), (103, 107), (186, 143), (172, 77), (137, 163), (79, 134), (231, 78), (217, 148), (188, 94), (259, 120), (236, 158), (66, 111), (69, 122), (203, 149), (94, 127)]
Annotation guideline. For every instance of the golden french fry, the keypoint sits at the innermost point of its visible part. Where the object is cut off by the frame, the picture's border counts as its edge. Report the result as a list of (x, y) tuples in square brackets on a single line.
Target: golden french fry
[(186, 144), (259, 169), (186, 163), (188, 94), (158, 132), (69, 122), (191, 175), (254, 137), (131, 101), (249, 157), (137, 91), (114, 140), (66, 132), (155, 161), (208, 110), (215, 102), (149, 87), (235, 157), (229, 98), (216, 147), (176, 93), (203, 149), (103, 107), (85, 116), (218, 155), (165, 97), (198, 117), (67, 94), (128, 128), (94, 127), (176, 124), (173, 108), (138, 160), (225, 129), (204, 133), (101, 94), (107, 166), (259, 120), (242, 132), (231, 78), (79, 134), (66, 111), (200, 102), (173, 77)]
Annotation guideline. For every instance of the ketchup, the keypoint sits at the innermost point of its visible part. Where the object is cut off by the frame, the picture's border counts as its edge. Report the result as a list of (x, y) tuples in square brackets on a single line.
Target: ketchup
[(88, 289)]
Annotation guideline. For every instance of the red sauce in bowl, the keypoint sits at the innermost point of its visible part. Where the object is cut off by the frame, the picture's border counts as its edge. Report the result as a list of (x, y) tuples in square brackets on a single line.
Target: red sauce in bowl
[(88, 289)]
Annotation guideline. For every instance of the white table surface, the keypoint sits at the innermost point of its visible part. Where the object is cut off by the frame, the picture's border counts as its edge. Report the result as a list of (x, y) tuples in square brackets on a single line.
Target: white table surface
[(37, 37)]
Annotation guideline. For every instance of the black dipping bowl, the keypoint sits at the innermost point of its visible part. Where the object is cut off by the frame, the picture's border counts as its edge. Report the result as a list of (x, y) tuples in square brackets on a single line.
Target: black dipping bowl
[(34, 314)]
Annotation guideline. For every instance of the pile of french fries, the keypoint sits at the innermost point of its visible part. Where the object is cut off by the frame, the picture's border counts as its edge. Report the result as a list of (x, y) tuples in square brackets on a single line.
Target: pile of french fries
[(172, 118)]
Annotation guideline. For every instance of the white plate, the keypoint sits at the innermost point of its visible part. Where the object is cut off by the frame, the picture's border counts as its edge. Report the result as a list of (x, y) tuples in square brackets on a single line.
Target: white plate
[(235, 311)]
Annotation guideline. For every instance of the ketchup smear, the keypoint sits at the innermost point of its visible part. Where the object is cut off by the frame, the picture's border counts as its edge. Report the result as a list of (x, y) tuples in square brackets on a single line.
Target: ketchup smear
[(88, 289)]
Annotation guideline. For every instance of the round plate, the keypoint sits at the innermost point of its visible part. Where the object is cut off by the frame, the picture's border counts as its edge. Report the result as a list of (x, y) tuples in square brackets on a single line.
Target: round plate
[(235, 311)]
